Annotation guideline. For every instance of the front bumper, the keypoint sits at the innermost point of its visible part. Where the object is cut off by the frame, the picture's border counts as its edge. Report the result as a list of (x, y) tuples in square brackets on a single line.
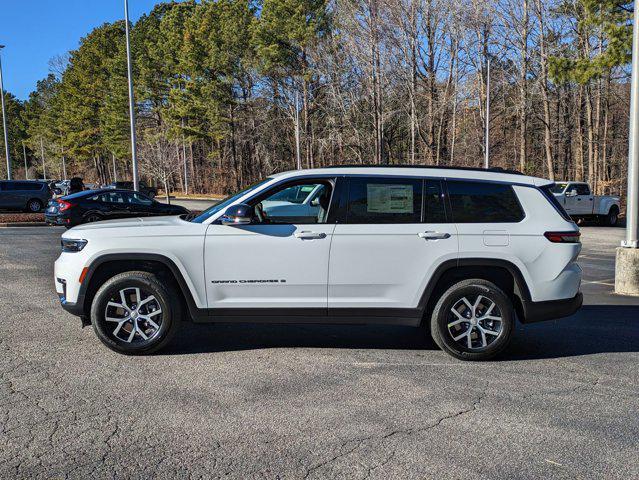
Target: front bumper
[(541, 311)]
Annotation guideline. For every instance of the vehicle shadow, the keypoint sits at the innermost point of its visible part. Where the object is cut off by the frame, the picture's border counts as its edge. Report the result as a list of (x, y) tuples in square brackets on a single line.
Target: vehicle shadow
[(594, 329)]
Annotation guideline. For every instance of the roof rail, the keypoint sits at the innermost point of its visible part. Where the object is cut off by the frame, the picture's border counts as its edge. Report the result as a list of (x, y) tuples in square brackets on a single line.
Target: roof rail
[(434, 167)]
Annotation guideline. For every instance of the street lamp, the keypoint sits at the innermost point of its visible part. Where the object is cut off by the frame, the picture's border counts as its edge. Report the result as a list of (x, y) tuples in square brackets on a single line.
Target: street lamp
[(487, 126), (134, 157), (4, 123), (627, 262)]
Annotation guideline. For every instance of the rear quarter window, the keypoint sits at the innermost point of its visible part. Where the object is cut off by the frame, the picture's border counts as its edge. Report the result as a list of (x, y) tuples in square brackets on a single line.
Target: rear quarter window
[(484, 202)]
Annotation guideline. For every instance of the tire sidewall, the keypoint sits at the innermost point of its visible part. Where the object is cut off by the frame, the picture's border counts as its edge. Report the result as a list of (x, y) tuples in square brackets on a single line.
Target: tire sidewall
[(34, 202), (92, 218), (612, 218), (440, 319), (111, 287)]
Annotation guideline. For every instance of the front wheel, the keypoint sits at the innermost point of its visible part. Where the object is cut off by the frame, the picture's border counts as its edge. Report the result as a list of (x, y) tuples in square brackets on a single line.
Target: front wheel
[(473, 320), (135, 313)]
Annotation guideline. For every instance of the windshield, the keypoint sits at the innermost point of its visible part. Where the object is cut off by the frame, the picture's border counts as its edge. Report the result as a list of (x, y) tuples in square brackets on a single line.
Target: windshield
[(209, 212), (558, 187)]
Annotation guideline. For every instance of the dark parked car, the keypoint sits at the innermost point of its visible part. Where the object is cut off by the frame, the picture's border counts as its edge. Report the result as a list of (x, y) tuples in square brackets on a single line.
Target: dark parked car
[(24, 195), (96, 205), (150, 192)]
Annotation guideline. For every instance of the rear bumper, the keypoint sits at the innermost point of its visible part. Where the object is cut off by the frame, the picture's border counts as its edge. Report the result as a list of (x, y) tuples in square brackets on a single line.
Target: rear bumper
[(541, 311)]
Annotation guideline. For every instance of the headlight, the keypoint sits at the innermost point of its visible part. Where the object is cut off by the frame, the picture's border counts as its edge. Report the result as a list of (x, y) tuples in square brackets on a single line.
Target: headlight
[(71, 245)]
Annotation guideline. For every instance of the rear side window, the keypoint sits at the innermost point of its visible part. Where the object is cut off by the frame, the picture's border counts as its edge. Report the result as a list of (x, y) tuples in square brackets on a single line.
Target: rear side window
[(22, 186), (582, 189), (548, 193), (384, 200), (434, 210), (483, 202)]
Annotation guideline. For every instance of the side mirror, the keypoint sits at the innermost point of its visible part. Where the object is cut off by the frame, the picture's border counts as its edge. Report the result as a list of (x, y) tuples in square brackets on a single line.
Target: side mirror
[(315, 202), (240, 214), (571, 193)]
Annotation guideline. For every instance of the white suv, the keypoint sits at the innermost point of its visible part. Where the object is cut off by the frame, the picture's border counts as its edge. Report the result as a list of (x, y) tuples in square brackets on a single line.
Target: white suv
[(460, 251)]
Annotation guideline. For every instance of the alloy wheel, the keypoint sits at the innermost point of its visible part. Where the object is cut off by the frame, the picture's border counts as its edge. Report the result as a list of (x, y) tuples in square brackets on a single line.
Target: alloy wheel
[(34, 206), (475, 324), (136, 315)]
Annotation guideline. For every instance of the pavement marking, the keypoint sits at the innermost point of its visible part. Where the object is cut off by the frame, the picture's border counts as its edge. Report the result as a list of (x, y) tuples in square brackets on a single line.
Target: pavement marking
[(553, 462), (599, 282)]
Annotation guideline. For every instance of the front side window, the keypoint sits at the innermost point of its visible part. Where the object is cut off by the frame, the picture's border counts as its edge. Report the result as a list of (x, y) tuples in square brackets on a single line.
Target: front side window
[(302, 203), (220, 206), (483, 202), (558, 188), (384, 200)]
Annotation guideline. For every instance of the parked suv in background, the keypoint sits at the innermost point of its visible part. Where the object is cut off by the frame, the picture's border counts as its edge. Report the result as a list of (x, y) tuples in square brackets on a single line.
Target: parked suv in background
[(463, 252), (150, 192), (24, 195)]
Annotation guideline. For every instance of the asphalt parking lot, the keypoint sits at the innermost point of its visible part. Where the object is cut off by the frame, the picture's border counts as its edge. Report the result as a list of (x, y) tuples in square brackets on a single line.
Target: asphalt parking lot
[(314, 401)]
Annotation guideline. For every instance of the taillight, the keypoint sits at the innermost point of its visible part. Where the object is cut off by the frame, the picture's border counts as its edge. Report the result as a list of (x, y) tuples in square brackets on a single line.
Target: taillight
[(563, 237), (64, 205)]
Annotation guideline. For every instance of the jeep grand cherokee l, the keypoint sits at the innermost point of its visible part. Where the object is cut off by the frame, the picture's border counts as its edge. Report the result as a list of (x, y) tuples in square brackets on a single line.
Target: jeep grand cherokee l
[(463, 252)]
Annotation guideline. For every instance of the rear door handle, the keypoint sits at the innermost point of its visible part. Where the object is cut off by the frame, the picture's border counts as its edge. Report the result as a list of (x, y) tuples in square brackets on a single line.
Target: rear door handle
[(310, 235), (433, 235)]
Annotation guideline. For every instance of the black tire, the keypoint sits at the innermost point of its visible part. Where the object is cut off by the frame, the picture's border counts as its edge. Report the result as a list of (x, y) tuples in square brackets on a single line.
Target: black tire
[(92, 217), (34, 206), (612, 218), (165, 299), (443, 317)]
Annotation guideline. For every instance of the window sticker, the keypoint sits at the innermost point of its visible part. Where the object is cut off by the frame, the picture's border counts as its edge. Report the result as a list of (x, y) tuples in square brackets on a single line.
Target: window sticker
[(389, 198)]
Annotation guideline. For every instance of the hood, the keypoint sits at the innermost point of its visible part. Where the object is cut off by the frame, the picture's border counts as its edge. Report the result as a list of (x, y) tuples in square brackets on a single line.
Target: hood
[(125, 223)]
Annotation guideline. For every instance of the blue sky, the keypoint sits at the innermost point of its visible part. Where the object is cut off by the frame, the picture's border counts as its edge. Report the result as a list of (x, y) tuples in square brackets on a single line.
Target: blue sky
[(36, 30)]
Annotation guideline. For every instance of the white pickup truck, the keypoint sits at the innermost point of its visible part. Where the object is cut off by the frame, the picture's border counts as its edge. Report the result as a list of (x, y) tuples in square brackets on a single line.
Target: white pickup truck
[(579, 202)]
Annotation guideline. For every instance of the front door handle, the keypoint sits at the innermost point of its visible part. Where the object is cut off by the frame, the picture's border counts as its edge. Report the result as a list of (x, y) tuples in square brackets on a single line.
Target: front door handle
[(433, 235), (310, 235)]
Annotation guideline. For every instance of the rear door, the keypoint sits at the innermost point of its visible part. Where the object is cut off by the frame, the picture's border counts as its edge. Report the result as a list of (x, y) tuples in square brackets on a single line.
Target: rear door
[(113, 205), (394, 236)]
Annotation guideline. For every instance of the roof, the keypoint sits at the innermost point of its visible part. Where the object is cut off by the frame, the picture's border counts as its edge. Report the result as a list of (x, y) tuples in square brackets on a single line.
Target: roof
[(423, 171)]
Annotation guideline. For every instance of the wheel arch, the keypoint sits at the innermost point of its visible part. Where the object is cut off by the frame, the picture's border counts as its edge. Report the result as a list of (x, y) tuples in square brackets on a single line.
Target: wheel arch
[(503, 273), (109, 265)]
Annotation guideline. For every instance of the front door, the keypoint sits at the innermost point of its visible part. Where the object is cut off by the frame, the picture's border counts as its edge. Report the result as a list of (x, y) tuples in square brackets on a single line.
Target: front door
[(394, 237), (271, 263)]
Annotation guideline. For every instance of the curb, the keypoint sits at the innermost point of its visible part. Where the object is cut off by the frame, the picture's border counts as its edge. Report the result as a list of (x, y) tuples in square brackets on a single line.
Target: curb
[(199, 199), (22, 224)]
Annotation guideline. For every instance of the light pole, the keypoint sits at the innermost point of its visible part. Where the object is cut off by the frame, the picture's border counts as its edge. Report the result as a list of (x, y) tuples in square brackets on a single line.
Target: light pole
[(134, 156), (487, 131), (44, 167), (26, 169), (4, 123), (627, 262)]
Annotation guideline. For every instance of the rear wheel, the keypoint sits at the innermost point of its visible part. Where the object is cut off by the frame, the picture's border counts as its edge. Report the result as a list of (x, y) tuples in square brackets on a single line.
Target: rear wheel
[(135, 313), (34, 205), (473, 320), (612, 218), (92, 217)]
